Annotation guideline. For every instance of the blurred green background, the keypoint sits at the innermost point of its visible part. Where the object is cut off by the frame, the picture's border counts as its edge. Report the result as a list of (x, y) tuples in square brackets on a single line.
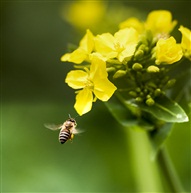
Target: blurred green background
[(34, 36)]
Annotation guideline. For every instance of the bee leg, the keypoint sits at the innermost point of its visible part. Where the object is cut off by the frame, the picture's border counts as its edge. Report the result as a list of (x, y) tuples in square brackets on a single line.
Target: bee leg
[(72, 136)]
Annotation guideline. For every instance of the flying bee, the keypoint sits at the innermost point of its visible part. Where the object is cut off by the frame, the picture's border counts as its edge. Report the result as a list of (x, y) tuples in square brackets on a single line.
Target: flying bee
[(67, 129)]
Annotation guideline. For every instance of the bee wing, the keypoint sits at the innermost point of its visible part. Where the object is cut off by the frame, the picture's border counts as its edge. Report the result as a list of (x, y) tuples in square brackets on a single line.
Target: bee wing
[(53, 126), (76, 131)]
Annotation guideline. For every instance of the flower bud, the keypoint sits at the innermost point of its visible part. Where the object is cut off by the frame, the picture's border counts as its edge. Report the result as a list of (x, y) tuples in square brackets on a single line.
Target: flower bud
[(164, 80), (119, 74), (157, 92), (110, 69), (170, 83), (145, 90), (133, 93), (138, 99), (146, 49), (153, 69), (138, 89), (142, 94), (150, 102), (137, 66), (139, 54), (142, 47), (148, 96)]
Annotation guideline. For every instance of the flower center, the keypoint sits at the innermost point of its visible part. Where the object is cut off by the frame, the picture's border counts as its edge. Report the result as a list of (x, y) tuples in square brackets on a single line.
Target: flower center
[(89, 84), (119, 48)]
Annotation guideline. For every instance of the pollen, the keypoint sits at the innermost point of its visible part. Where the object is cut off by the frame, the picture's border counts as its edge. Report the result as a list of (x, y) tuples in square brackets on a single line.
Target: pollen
[(119, 48), (89, 84)]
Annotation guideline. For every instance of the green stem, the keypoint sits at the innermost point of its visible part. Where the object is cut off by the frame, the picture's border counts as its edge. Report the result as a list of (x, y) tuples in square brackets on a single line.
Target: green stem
[(169, 171), (145, 171)]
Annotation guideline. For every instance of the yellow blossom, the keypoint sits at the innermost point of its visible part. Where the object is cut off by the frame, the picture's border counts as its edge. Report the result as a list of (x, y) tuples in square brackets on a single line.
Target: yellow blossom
[(122, 45), (168, 51), (186, 41), (132, 22), (85, 48), (84, 14), (160, 22), (91, 82)]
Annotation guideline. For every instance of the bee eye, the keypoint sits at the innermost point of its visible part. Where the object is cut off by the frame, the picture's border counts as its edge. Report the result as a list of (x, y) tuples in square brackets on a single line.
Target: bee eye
[(72, 120)]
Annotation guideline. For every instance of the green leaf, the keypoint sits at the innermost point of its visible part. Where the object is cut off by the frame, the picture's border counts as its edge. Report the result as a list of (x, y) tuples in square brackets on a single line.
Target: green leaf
[(125, 116), (166, 110), (158, 137)]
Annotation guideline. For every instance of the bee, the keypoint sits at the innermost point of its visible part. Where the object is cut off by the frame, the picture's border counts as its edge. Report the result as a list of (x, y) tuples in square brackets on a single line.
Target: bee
[(67, 129)]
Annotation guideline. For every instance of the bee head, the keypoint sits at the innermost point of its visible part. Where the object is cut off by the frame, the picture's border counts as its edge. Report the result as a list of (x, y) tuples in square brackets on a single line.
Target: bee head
[(72, 120)]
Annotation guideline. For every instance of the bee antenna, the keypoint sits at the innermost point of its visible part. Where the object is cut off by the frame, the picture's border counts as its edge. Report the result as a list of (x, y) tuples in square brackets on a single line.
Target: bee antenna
[(71, 117), (76, 116)]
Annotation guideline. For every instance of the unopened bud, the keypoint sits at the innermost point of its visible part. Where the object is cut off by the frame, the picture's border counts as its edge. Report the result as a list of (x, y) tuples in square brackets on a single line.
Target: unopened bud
[(138, 99), (137, 66), (164, 80), (142, 47), (170, 83), (153, 69), (150, 102), (139, 53), (119, 74), (146, 50), (133, 93), (157, 92), (110, 69), (138, 89), (148, 96)]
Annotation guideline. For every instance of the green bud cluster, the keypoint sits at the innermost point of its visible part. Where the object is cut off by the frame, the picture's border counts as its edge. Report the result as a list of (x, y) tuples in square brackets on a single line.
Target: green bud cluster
[(145, 95), (150, 80), (146, 79)]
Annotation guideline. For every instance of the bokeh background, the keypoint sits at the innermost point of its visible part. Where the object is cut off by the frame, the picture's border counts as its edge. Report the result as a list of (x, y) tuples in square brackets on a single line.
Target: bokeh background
[(34, 35)]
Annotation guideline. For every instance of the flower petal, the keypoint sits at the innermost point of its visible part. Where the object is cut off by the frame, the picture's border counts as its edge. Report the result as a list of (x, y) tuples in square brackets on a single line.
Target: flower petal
[(103, 89), (132, 22), (77, 56), (160, 21), (84, 101), (127, 53), (104, 44), (168, 51), (186, 41), (87, 42), (97, 68), (126, 36), (76, 79), (65, 57)]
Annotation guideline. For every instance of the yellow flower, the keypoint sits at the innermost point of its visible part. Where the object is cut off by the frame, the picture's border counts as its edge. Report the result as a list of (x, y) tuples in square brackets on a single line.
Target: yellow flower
[(160, 22), (122, 45), (91, 82), (168, 51), (82, 52), (132, 22), (84, 14), (186, 41)]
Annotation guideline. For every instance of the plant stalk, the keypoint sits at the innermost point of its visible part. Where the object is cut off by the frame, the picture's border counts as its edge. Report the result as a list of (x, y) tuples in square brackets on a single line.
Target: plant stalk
[(144, 170), (169, 171)]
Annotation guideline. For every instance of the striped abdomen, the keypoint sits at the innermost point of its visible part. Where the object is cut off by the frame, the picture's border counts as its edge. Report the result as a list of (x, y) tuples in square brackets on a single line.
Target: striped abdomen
[(64, 135)]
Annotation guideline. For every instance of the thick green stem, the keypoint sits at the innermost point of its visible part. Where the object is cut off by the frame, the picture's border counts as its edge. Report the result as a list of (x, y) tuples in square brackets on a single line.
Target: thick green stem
[(145, 171), (169, 171)]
